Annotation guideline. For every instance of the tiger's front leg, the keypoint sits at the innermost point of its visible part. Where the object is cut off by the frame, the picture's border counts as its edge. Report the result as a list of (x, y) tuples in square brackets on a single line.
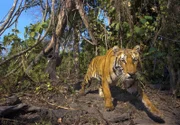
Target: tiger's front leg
[(107, 96)]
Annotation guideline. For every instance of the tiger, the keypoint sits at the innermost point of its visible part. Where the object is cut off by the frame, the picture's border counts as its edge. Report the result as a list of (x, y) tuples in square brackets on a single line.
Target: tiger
[(114, 65)]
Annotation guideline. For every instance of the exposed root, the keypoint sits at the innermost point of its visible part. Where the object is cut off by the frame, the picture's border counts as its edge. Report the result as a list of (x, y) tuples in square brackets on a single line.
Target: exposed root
[(59, 106)]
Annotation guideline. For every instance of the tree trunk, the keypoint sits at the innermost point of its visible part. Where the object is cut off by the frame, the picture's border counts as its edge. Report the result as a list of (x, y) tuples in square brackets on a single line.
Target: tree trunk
[(174, 77), (55, 43), (76, 54)]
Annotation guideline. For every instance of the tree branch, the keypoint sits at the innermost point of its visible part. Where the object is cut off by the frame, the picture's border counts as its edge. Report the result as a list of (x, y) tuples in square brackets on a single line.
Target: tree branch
[(13, 15), (28, 49), (37, 58), (9, 16), (66, 8), (79, 7), (13, 71), (87, 40)]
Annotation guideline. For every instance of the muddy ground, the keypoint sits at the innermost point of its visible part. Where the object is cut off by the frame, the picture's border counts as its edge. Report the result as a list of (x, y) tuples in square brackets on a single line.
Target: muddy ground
[(64, 107)]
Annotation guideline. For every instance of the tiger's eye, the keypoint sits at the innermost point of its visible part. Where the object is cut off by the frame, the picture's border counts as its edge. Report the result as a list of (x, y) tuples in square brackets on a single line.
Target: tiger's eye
[(123, 59), (135, 59)]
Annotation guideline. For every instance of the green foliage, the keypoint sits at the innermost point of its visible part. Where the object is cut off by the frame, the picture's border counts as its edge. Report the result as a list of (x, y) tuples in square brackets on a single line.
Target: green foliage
[(154, 65), (33, 30), (43, 88), (15, 70)]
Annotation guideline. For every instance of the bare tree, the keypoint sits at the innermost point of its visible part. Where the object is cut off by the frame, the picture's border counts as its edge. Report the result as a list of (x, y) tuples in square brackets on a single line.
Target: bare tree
[(13, 15), (39, 39), (67, 7)]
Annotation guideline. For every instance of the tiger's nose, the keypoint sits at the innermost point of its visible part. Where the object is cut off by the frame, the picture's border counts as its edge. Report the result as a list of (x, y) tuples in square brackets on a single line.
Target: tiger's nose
[(131, 75)]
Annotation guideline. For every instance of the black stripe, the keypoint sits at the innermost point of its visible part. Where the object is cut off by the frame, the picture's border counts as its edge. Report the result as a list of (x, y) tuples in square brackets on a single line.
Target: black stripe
[(114, 68), (115, 61), (137, 94), (130, 85), (111, 78)]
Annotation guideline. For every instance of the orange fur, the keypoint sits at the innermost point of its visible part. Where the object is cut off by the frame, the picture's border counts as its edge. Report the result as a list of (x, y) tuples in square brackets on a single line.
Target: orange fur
[(117, 64)]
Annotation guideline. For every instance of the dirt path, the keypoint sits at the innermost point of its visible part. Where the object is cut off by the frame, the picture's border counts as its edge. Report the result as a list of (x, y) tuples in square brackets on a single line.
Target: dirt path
[(129, 111), (68, 109)]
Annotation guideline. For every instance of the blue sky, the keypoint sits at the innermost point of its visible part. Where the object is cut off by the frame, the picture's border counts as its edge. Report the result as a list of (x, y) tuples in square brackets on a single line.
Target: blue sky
[(24, 20)]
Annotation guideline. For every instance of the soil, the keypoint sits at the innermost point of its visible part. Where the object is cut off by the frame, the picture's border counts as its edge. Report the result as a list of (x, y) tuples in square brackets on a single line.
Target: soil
[(64, 107)]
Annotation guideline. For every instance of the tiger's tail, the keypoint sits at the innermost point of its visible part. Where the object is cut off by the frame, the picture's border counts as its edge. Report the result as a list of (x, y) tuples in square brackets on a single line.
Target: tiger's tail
[(150, 109), (86, 82)]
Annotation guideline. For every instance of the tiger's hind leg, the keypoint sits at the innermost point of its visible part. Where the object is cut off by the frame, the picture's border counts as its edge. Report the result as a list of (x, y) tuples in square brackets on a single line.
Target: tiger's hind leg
[(86, 82)]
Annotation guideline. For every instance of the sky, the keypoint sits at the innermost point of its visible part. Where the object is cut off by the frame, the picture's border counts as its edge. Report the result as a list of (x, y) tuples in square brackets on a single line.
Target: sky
[(24, 20)]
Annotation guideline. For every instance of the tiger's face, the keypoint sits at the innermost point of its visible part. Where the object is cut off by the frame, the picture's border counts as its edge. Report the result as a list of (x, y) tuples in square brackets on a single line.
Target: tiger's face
[(126, 61)]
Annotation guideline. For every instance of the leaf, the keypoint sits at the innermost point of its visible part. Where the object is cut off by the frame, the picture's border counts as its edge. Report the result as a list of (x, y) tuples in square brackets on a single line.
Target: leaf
[(112, 10), (138, 30), (152, 49), (160, 54), (33, 34), (148, 17), (113, 24), (6, 41), (125, 25), (128, 35), (117, 27), (15, 30), (143, 21), (25, 32), (44, 25)]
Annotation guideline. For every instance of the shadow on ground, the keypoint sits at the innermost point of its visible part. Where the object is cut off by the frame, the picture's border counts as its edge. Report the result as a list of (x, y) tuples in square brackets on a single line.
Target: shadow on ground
[(63, 107)]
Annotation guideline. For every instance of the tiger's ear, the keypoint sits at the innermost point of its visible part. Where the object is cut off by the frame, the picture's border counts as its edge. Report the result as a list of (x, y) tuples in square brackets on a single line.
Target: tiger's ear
[(116, 49), (137, 48)]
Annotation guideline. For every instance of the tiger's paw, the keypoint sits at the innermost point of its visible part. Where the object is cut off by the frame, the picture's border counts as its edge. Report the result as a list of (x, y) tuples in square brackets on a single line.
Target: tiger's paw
[(109, 107), (81, 93)]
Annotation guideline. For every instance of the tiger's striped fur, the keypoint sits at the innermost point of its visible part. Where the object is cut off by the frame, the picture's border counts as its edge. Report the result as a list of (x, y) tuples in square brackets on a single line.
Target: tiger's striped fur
[(117, 64)]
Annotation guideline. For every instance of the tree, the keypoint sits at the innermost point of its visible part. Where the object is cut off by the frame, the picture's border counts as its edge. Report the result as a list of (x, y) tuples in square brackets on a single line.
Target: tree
[(57, 28)]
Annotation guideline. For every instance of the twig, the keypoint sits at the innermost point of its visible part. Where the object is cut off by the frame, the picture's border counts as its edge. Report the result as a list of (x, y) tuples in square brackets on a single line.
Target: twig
[(19, 54), (13, 71), (156, 35), (79, 7), (12, 120), (87, 40), (58, 106), (12, 17), (9, 15)]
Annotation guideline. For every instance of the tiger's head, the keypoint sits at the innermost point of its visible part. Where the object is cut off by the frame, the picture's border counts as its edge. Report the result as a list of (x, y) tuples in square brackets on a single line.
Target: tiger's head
[(126, 61)]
